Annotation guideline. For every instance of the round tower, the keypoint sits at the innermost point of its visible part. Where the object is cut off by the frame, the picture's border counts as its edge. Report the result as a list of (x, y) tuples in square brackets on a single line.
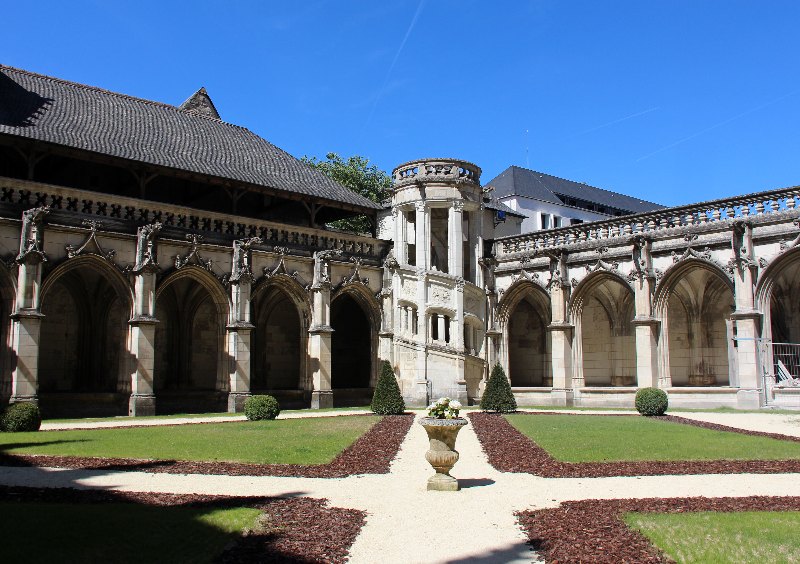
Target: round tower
[(438, 300)]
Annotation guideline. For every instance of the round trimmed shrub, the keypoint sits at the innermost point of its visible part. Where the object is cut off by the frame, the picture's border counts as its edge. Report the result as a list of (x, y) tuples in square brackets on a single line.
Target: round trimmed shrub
[(497, 396), (21, 417), (257, 408), (387, 399), (651, 401)]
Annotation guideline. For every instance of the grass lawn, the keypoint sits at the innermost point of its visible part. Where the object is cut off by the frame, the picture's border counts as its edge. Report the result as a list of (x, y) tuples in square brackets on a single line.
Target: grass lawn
[(288, 441), (752, 536), (118, 532), (587, 438)]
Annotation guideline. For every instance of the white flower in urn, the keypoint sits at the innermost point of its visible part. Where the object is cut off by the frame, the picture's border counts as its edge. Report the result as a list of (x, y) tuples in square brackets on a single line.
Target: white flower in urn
[(444, 408)]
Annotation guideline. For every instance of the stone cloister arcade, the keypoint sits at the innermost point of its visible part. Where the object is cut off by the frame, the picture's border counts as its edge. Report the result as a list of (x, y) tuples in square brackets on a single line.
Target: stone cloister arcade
[(696, 300), (105, 316), (159, 320)]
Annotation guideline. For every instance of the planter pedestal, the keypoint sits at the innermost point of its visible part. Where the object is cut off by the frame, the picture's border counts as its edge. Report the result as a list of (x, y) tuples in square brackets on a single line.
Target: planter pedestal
[(442, 454)]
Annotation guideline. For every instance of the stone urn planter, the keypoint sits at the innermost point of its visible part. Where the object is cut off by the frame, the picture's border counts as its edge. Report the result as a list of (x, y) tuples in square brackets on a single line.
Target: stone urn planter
[(442, 454)]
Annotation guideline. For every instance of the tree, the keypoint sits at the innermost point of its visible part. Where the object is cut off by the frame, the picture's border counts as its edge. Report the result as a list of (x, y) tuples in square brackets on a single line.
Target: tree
[(498, 396), (387, 399), (362, 178)]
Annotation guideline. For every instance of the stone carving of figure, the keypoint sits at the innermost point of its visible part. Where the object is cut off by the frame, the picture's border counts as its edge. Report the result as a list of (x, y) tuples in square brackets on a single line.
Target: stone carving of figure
[(241, 268), (145, 246), (322, 274), (30, 242)]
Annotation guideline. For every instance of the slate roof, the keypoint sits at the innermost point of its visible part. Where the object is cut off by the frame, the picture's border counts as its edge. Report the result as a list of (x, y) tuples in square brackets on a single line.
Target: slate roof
[(497, 205), (517, 181), (91, 119)]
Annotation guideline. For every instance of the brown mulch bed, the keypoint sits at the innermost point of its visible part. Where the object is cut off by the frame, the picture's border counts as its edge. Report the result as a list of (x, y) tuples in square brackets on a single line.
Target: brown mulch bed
[(299, 530), (369, 454), (509, 450), (593, 530)]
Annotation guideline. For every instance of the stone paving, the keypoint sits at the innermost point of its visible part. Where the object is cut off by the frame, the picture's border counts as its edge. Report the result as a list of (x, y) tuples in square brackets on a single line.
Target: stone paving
[(406, 523)]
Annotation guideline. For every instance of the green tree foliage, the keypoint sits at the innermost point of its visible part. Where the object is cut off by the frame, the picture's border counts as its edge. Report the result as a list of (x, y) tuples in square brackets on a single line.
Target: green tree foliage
[(362, 178), (387, 399), (497, 396)]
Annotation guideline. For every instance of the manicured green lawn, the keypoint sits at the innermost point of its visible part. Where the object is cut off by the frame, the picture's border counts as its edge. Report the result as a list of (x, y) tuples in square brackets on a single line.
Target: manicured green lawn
[(289, 441), (118, 532), (762, 537), (589, 438)]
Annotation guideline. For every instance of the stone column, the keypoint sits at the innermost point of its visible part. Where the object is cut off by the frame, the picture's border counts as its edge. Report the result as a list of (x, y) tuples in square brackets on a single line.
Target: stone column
[(646, 327), (320, 332), (27, 318), (401, 236), (240, 327), (476, 240), (422, 236), (142, 325), (561, 335), (455, 228), (419, 394), (746, 318)]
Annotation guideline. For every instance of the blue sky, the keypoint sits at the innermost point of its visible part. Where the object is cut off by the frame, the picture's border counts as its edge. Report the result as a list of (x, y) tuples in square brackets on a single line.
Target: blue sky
[(673, 101)]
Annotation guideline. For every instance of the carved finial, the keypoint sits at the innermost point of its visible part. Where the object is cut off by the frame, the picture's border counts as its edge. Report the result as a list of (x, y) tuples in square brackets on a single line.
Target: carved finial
[(241, 268), (30, 241), (146, 248), (193, 256), (93, 226)]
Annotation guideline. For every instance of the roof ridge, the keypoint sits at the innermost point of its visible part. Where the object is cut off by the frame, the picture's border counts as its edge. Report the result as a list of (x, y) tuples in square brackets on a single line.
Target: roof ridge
[(154, 103), (583, 184)]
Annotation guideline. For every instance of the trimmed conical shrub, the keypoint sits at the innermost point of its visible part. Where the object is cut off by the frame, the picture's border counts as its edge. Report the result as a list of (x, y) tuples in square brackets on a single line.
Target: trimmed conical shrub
[(387, 399), (497, 396)]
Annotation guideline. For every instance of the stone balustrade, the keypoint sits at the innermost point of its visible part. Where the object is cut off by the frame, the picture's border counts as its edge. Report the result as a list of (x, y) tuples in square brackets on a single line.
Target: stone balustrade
[(18, 195), (427, 170), (726, 209)]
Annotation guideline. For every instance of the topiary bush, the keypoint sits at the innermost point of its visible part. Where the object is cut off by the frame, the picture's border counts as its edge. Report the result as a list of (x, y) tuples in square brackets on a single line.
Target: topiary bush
[(387, 399), (651, 401), (497, 396), (21, 417), (257, 408)]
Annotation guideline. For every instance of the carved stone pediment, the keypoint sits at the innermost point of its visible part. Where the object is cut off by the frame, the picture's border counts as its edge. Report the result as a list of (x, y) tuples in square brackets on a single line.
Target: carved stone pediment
[(280, 269), (90, 245), (193, 257), (355, 276)]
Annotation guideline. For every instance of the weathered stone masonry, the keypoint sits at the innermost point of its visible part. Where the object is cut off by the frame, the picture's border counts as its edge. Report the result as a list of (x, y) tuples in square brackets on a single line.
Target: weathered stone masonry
[(688, 299)]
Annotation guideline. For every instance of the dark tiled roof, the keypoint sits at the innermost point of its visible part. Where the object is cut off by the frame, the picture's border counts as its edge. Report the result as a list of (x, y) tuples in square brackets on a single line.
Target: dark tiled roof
[(497, 205), (516, 181), (87, 118)]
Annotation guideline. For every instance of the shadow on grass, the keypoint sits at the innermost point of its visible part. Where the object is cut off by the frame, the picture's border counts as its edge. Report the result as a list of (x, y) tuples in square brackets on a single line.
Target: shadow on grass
[(181, 528)]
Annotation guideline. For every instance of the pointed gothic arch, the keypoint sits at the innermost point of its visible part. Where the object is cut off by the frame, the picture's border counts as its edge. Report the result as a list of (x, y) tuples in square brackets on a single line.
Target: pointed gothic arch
[(694, 301), (191, 364), (355, 318), (281, 314), (604, 352), (523, 315), (84, 366)]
